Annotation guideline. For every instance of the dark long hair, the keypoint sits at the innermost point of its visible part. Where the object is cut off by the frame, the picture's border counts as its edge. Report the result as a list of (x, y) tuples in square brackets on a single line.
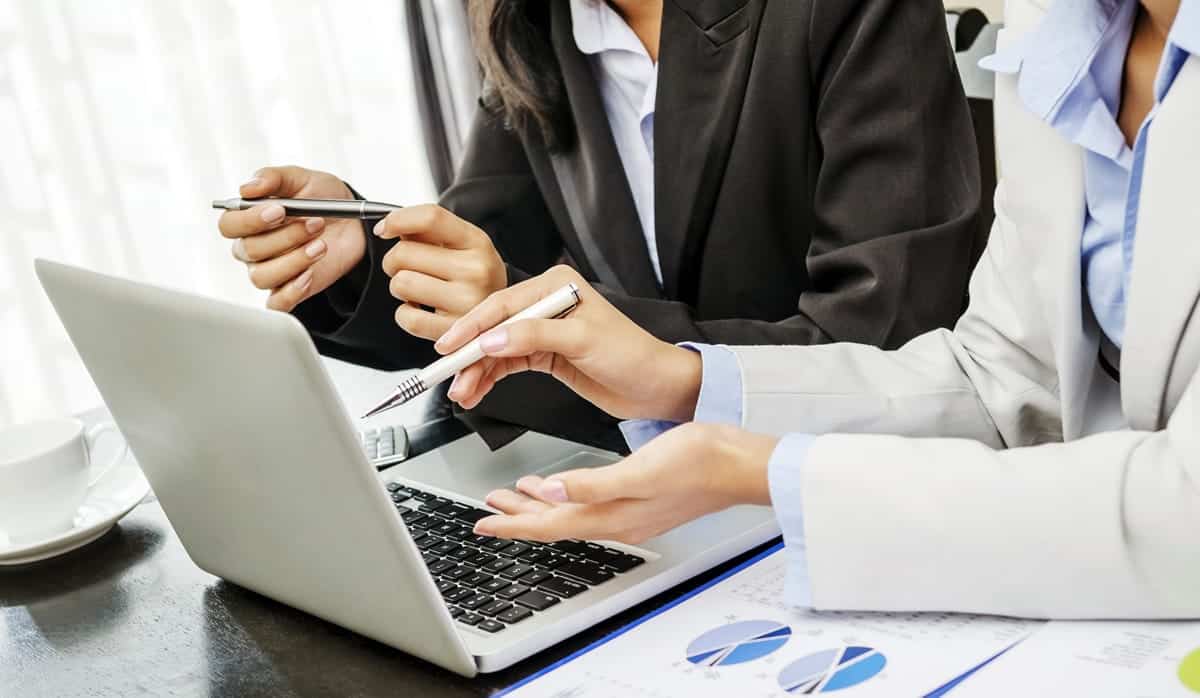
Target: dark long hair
[(522, 79)]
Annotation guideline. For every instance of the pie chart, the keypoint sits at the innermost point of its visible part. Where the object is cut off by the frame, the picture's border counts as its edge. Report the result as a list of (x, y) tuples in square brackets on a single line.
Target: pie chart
[(739, 642), (1189, 671), (831, 670)]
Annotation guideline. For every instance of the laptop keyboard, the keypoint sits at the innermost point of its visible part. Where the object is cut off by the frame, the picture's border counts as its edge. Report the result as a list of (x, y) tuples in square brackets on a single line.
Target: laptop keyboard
[(491, 583)]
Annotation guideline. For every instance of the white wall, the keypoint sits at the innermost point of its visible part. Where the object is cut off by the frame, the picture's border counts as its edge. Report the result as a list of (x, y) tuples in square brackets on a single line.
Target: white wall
[(993, 8)]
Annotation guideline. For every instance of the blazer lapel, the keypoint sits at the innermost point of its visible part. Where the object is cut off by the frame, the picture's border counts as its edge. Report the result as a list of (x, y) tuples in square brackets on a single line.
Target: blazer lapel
[(1166, 261), (704, 62), (592, 179)]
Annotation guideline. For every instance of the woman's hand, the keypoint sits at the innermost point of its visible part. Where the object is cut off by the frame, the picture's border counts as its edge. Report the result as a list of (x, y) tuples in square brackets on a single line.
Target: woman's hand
[(295, 258), (690, 471), (596, 351), (440, 262)]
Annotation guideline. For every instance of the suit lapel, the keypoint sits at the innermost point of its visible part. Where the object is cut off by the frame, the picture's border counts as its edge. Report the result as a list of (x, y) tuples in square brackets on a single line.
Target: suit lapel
[(592, 180), (704, 61), (1166, 260)]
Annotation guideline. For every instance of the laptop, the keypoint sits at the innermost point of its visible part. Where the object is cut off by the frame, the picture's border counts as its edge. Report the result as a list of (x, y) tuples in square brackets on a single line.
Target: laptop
[(261, 471)]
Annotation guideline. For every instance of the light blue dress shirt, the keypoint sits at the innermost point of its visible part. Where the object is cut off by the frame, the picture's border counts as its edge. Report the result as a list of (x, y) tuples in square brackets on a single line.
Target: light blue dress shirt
[(627, 80), (1071, 70)]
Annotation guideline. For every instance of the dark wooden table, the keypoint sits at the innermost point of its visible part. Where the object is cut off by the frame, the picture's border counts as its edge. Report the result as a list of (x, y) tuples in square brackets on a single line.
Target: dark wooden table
[(132, 615)]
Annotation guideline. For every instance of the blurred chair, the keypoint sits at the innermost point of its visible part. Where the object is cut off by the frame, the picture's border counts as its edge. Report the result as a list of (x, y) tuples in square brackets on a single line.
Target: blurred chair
[(447, 80)]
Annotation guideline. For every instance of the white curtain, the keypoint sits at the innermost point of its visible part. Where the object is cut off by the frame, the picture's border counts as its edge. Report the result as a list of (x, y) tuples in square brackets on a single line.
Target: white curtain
[(120, 121)]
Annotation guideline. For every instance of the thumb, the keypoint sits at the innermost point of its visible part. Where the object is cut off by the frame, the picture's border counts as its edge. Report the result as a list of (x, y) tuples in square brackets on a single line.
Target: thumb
[(276, 181), (627, 479)]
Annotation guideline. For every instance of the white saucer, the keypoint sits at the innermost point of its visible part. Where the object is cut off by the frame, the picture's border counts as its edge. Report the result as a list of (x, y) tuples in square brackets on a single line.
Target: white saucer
[(115, 495)]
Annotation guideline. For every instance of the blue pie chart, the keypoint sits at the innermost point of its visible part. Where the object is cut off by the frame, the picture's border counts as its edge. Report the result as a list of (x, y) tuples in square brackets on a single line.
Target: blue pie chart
[(831, 670), (739, 642)]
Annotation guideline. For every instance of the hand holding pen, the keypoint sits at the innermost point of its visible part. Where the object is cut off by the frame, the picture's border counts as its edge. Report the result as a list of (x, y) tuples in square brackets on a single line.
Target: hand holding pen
[(596, 351)]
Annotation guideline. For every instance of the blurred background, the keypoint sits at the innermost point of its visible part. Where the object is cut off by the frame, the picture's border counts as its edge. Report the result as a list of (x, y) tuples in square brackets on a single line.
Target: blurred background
[(120, 121)]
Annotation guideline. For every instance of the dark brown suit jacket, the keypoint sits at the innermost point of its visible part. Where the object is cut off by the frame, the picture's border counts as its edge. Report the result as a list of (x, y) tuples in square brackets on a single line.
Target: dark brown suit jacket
[(816, 180)]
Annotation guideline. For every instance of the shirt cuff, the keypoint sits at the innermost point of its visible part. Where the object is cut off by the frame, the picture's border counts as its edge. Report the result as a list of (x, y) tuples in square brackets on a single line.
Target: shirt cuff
[(720, 399), (785, 477)]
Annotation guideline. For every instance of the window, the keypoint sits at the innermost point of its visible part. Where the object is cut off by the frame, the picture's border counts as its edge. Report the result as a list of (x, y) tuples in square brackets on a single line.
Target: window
[(120, 121)]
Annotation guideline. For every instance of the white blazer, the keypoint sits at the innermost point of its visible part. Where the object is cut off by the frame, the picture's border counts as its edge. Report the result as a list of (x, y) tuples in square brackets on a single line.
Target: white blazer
[(1039, 487)]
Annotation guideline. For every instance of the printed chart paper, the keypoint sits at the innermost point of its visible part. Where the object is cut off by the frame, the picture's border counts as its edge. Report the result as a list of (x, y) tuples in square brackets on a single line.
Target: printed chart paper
[(738, 638), (1077, 658)]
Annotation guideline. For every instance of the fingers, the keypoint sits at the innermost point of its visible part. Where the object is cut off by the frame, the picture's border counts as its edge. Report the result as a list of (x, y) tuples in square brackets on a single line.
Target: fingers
[(628, 479), (428, 259), (257, 248), (420, 322), (432, 224), (566, 336), (284, 181), (257, 219), (415, 287), (590, 522), (502, 305), (511, 502), (275, 272), (288, 296)]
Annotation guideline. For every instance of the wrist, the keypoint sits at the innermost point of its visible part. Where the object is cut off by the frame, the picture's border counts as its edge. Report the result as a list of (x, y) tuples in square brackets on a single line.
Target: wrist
[(684, 372), (743, 459)]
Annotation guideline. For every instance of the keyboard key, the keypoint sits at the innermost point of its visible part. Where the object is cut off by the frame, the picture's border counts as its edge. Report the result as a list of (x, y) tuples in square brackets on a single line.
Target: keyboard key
[(570, 547), (443, 528), (477, 579), (469, 618), (535, 577), (437, 504), (516, 614), (412, 516), (625, 562), (423, 496), (495, 608), (537, 600), (498, 566), (428, 542), (554, 561), (455, 612), (474, 602), (481, 560), (498, 544), (535, 556), (516, 571), (512, 592), (606, 556), (394, 486), (445, 547), (457, 573), (457, 594), (470, 516), (494, 585), (463, 552), (441, 566), (516, 549), (418, 536), (562, 587), (454, 510), (444, 586), (429, 558), (585, 570), (491, 626), (480, 541)]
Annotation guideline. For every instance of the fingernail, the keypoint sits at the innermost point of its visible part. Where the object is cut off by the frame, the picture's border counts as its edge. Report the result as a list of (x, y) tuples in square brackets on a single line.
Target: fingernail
[(303, 281), (252, 182), (495, 340), (378, 230), (452, 393), (239, 249), (554, 491), (314, 225), (315, 249), (483, 528), (273, 213)]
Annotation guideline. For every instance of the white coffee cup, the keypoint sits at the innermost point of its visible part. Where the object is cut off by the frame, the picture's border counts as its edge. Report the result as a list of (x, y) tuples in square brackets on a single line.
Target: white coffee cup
[(45, 475)]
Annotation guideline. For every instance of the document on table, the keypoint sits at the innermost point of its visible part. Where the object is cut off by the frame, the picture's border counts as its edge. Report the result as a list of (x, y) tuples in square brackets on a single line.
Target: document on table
[(737, 637), (1085, 658)]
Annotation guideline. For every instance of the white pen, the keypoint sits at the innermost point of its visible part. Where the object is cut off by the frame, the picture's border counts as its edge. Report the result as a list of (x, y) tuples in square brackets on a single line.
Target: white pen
[(554, 305)]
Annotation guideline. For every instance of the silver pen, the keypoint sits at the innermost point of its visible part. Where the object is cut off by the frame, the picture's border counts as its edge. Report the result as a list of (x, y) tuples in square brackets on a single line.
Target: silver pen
[(554, 305), (315, 208)]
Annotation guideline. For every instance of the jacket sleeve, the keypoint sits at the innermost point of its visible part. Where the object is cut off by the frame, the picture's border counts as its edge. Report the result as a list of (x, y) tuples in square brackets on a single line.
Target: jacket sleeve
[(897, 194)]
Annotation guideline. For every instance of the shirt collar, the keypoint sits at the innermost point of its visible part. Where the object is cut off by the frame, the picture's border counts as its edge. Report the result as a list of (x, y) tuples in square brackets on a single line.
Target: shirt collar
[(598, 28)]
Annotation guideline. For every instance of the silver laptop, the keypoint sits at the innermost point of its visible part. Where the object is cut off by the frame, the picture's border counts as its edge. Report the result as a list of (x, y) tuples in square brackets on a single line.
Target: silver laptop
[(259, 467)]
